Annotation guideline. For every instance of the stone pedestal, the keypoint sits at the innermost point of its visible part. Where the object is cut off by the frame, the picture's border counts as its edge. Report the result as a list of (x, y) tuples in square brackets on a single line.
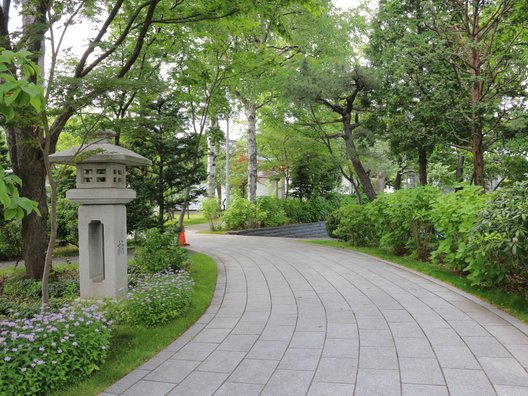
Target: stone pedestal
[(102, 241)]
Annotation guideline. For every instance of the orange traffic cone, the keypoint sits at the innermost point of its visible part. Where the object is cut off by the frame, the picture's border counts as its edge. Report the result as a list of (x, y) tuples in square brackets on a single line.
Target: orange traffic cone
[(183, 241)]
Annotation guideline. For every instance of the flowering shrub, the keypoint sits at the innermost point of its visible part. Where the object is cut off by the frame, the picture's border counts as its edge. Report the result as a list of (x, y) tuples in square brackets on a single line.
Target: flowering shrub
[(39, 354), (157, 298)]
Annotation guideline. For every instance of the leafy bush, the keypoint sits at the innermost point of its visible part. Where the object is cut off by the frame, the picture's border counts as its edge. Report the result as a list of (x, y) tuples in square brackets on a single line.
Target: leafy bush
[(356, 226), (63, 284), (499, 241), (270, 212), (157, 298), (239, 215), (454, 216), (11, 243), (67, 229), (40, 354), (211, 211), (332, 222), (159, 252), (403, 220)]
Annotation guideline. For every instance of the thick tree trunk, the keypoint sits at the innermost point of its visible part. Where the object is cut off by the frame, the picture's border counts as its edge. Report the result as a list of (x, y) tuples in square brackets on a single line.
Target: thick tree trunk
[(28, 164), (251, 116), (422, 166), (353, 156)]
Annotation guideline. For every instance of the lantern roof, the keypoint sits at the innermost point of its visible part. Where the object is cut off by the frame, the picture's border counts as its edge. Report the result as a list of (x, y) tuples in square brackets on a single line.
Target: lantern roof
[(99, 150)]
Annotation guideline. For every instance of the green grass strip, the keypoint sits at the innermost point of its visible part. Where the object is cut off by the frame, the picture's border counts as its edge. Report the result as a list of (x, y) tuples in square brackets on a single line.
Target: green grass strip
[(133, 345), (514, 304)]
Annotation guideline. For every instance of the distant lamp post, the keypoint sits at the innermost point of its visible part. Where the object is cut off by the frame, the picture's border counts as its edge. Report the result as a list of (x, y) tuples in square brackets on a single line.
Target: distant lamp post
[(101, 191)]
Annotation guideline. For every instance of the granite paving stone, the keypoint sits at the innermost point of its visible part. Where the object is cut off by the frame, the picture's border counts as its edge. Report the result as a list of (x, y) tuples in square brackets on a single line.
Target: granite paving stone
[(289, 318)]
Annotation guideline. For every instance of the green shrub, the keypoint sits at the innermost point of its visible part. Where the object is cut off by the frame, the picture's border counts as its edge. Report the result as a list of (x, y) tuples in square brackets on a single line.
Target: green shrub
[(270, 212), (211, 211), (11, 243), (159, 252), (332, 222), (499, 241), (356, 226), (40, 354), (403, 221), (240, 214), (67, 228), (454, 216), (157, 298)]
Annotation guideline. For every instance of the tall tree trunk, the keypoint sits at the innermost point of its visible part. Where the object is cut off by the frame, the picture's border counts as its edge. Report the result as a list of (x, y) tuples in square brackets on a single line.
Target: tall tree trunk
[(380, 182), (398, 180), (353, 156), (459, 174), (219, 194), (211, 162), (251, 116), (478, 157), (422, 166)]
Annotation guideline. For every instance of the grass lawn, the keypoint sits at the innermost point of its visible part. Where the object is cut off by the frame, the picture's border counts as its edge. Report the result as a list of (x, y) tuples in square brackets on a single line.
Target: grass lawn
[(193, 218), (131, 345), (515, 304)]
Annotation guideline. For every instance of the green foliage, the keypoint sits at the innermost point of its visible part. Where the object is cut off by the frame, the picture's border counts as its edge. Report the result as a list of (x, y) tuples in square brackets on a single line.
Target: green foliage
[(314, 175), (314, 209), (356, 225), (11, 243), (40, 354), (67, 228), (21, 296), (159, 252), (239, 215), (270, 212), (403, 221), (499, 241), (211, 211), (157, 298), (17, 92), (454, 216), (14, 206)]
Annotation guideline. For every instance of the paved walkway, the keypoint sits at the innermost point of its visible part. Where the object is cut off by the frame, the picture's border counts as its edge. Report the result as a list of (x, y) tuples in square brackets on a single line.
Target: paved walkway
[(294, 319)]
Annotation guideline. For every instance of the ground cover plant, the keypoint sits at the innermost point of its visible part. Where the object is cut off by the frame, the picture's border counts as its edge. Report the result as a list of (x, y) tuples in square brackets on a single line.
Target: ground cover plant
[(42, 353), (156, 298)]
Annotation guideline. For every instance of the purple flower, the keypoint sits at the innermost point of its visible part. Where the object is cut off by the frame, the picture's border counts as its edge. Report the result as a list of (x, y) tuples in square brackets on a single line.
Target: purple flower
[(7, 358)]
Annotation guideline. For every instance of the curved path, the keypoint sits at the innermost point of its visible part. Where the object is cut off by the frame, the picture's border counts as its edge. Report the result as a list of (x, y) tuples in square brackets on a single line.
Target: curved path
[(292, 319)]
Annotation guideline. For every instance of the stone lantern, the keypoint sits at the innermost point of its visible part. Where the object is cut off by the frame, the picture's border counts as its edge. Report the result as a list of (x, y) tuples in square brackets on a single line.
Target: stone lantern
[(101, 191)]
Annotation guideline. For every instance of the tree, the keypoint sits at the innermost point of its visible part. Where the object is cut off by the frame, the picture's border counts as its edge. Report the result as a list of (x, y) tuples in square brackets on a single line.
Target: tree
[(313, 175), (412, 99), (160, 136), (119, 25), (488, 56)]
